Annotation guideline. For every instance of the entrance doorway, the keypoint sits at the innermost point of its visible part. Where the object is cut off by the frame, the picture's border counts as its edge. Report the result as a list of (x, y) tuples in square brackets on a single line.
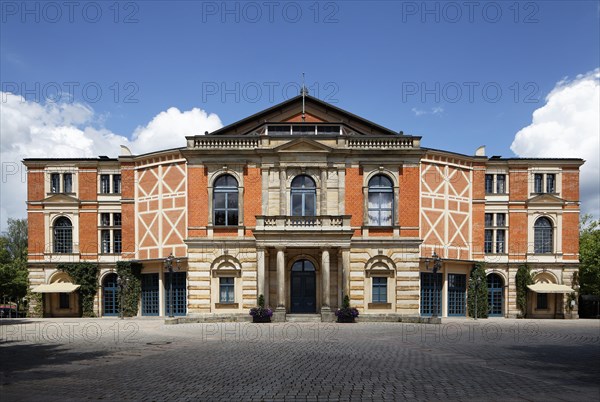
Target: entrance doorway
[(304, 287), (110, 294), (495, 291)]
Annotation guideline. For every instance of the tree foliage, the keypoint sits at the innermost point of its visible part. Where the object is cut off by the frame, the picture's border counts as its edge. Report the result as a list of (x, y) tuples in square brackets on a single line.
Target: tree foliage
[(589, 256), (13, 261), (522, 280), (478, 290)]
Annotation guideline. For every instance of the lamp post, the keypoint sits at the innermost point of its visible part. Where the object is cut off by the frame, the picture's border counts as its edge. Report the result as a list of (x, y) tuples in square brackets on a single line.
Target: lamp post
[(437, 265), (169, 266), (477, 282), (122, 285)]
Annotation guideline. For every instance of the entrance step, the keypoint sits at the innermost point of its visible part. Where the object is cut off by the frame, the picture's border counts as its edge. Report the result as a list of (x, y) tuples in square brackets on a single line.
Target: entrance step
[(303, 317)]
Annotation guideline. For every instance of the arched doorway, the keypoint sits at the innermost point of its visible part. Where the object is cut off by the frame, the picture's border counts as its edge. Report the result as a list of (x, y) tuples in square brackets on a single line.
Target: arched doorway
[(304, 287), (495, 295), (110, 293)]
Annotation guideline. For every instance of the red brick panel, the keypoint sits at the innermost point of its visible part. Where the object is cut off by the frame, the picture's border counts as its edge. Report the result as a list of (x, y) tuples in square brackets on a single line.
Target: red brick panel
[(88, 235), (570, 184), (35, 186), (88, 186), (570, 235), (408, 208), (252, 195), (518, 182), (127, 180), (197, 197), (35, 234), (354, 195), (517, 232)]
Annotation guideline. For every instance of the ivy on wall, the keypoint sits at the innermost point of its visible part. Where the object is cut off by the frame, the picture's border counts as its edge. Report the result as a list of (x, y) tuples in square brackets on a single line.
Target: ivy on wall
[(35, 302), (523, 279), (131, 288), (86, 275), (478, 289)]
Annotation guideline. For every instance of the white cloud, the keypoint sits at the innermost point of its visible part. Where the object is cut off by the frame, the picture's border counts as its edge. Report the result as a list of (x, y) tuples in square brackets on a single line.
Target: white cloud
[(421, 112), (568, 125), (73, 130)]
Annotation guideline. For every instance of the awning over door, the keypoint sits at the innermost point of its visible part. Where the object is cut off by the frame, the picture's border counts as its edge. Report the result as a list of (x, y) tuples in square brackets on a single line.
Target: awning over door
[(56, 287), (550, 288)]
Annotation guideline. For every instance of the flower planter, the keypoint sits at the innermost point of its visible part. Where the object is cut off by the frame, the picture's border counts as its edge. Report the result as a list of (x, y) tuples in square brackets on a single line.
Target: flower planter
[(261, 319), (346, 320)]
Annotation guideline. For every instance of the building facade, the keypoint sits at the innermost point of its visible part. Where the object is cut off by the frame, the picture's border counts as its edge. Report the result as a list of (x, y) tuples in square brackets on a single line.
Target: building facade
[(305, 203)]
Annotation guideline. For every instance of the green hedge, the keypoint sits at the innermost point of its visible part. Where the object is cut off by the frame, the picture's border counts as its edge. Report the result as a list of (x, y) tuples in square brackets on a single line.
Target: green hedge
[(130, 273), (84, 274)]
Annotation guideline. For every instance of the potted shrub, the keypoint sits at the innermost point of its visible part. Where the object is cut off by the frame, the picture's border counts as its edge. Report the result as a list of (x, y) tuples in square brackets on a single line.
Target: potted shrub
[(346, 313), (261, 313)]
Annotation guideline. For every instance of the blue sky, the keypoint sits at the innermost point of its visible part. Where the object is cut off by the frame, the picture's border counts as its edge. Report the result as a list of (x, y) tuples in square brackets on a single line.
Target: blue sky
[(400, 64)]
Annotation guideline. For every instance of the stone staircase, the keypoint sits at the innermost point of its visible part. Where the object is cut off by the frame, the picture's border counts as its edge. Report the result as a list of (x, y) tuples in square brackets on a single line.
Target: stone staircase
[(303, 317)]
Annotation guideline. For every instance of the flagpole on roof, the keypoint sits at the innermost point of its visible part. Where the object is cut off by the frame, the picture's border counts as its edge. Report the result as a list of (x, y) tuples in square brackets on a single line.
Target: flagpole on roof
[(303, 92)]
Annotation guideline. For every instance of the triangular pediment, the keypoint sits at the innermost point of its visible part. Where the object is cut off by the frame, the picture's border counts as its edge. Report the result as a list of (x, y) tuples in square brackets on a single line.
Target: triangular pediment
[(303, 145), (62, 199), (313, 110), (546, 199)]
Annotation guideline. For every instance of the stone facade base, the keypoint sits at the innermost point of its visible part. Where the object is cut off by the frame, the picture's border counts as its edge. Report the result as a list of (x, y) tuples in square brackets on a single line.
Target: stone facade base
[(278, 315)]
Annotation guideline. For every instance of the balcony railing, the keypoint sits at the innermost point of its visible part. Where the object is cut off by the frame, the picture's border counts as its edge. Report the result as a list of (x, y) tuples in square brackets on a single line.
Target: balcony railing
[(383, 143), (305, 223), (224, 142)]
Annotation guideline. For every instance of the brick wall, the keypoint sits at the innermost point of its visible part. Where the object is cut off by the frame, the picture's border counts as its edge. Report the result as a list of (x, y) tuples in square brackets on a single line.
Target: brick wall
[(197, 200), (408, 205), (252, 196), (354, 196)]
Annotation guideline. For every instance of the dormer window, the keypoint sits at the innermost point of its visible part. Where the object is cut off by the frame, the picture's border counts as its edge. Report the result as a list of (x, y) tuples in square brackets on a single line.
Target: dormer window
[(303, 129)]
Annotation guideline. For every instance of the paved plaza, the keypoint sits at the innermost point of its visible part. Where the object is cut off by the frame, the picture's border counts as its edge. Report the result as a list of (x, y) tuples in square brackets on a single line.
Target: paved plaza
[(143, 359)]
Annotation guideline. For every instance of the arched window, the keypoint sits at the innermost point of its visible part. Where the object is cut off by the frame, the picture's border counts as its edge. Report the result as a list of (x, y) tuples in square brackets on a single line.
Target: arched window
[(304, 196), (381, 201), (63, 236), (225, 201), (542, 236)]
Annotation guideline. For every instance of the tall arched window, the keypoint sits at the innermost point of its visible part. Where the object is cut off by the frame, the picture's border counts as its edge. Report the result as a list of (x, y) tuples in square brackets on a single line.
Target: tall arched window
[(542, 236), (381, 201), (225, 201), (304, 196), (63, 236)]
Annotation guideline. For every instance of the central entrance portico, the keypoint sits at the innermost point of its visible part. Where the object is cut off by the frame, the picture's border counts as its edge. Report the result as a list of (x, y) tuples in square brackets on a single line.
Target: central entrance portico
[(303, 287)]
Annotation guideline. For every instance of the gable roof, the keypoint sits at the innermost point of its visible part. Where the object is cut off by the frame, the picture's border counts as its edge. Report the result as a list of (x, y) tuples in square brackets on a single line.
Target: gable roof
[(282, 112)]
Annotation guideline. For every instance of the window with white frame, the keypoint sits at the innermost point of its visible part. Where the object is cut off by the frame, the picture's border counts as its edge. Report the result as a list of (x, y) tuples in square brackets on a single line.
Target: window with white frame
[(61, 183), (110, 183), (62, 236), (303, 196), (225, 201), (544, 183), (110, 233), (226, 290), (542, 236), (495, 233), (495, 183), (381, 201)]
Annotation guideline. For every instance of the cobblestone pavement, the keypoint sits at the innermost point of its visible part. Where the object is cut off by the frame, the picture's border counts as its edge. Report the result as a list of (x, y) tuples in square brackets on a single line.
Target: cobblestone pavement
[(141, 359)]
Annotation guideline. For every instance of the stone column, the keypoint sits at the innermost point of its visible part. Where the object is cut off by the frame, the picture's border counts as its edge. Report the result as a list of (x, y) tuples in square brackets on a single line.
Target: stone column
[(260, 272), (346, 271), (325, 285), (281, 278)]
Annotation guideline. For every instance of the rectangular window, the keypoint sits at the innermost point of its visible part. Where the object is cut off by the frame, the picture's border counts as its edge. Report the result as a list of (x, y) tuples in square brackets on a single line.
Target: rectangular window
[(379, 290), (489, 183), (500, 220), (551, 183), (117, 242), (105, 238), (67, 183), (489, 220), (488, 244), (538, 183), (116, 219), (104, 219), (542, 301), (501, 183), (104, 184), (55, 183), (63, 300), (117, 184), (226, 290), (457, 292), (500, 234)]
